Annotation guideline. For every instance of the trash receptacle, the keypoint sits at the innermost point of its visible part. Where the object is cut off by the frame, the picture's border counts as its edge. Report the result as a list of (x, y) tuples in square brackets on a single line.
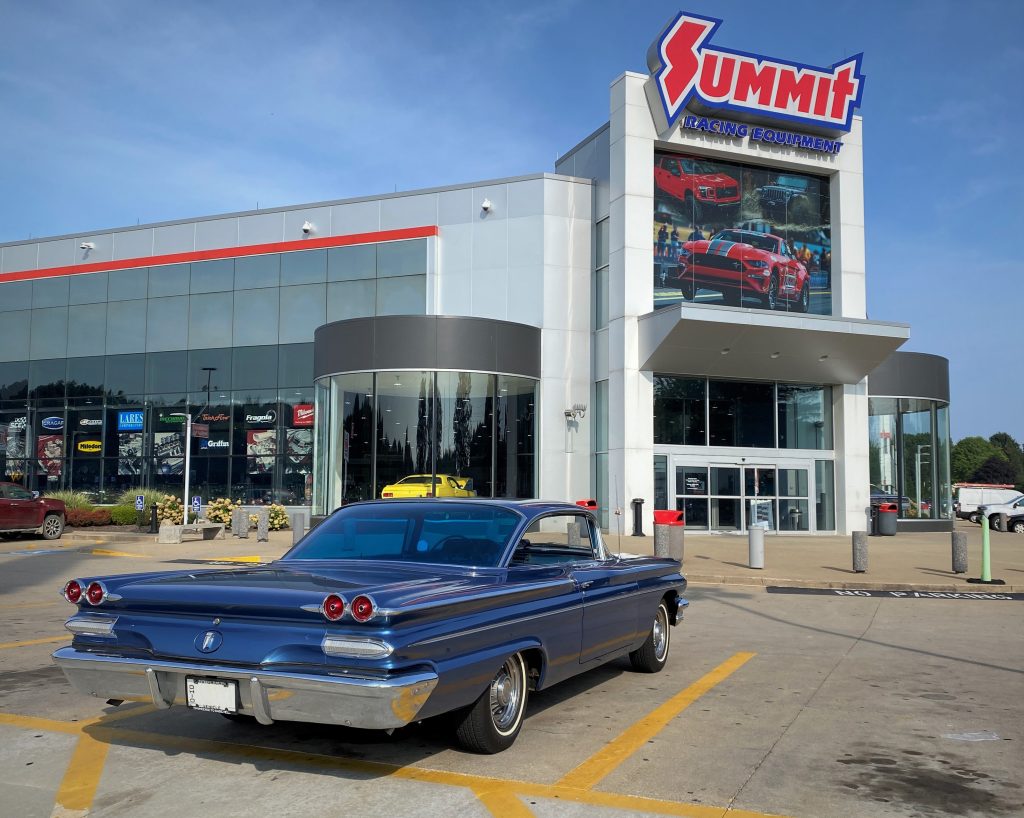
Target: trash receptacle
[(588, 504), (669, 529), (888, 513)]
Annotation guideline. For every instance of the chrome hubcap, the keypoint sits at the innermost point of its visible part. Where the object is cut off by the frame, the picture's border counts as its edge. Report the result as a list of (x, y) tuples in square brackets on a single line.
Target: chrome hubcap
[(51, 526), (660, 634), (506, 695)]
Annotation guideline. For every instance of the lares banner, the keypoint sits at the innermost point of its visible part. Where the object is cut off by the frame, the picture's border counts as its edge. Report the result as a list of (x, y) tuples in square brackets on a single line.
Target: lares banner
[(688, 72)]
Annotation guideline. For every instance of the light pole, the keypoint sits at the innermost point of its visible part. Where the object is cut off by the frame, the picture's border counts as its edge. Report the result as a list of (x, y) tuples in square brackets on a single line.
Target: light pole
[(209, 370)]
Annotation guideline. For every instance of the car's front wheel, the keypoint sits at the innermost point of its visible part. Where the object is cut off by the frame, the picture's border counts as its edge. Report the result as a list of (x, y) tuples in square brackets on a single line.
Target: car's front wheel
[(771, 301), (53, 527), (1017, 526), (805, 298), (652, 655), (493, 722)]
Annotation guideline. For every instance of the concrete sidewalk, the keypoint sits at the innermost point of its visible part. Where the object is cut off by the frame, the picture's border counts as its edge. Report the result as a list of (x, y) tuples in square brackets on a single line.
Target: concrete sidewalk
[(919, 561)]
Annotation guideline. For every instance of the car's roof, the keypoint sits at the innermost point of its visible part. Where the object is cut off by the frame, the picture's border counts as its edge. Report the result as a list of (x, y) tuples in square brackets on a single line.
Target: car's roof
[(530, 508)]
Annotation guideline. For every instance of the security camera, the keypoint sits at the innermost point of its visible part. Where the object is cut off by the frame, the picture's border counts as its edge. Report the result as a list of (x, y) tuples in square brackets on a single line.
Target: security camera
[(87, 245), (307, 227), (486, 205)]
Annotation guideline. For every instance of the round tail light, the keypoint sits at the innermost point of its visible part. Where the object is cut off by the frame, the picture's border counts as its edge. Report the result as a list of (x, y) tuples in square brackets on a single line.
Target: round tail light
[(363, 609), (95, 593), (333, 607), (73, 591)]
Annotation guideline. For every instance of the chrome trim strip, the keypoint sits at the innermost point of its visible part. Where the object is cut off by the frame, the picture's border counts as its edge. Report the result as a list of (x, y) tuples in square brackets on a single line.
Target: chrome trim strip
[(357, 647), (100, 627)]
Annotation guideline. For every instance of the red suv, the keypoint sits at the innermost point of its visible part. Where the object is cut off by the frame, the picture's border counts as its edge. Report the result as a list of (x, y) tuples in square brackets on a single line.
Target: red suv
[(24, 512)]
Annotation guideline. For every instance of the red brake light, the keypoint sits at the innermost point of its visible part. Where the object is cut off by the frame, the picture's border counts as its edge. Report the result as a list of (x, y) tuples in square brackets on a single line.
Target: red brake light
[(73, 591), (333, 607), (95, 593), (363, 609)]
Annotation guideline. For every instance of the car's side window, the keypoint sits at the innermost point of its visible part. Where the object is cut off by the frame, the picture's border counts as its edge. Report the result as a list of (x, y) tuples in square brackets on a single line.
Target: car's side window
[(558, 538), (18, 493)]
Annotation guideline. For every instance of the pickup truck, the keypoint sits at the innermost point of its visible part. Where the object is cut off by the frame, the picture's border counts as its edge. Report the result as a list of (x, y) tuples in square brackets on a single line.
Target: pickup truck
[(25, 512)]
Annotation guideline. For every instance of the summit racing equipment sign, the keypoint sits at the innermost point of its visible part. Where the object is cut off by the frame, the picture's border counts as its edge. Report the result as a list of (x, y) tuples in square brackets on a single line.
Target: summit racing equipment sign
[(688, 72)]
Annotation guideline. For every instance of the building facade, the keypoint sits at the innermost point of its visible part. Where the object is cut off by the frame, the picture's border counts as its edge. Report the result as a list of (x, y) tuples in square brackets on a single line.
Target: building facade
[(675, 316)]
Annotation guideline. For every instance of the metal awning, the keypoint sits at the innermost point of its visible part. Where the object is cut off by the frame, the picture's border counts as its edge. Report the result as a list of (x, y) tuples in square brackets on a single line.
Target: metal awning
[(695, 339)]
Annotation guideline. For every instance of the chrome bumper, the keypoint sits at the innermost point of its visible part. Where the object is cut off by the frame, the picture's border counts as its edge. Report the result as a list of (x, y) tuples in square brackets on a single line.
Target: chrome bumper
[(375, 704)]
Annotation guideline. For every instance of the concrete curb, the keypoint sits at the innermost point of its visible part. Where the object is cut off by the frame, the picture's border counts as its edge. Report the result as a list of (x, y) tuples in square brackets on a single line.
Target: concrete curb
[(863, 585)]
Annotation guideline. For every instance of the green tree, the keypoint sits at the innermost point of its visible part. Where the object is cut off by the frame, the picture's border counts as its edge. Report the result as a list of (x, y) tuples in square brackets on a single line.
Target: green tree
[(1013, 452), (968, 455), (996, 469)]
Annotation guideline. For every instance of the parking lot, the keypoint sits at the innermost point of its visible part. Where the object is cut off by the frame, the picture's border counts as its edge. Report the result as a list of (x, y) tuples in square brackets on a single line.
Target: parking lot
[(771, 704)]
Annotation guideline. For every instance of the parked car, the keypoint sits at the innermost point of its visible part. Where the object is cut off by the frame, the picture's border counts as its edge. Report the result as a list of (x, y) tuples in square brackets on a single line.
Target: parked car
[(968, 498), (388, 612), (1015, 524), (426, 485), (25, 512), (742, 262), (698, 185), (993, 510)]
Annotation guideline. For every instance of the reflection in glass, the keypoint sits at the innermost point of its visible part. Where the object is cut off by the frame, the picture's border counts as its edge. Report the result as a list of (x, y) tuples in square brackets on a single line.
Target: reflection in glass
[(465, 423), (825, 501), (679, 410), (405, 420), (793, 515), (918, 458), (351, 453), (805, 416), (741, 414), (515, 445)]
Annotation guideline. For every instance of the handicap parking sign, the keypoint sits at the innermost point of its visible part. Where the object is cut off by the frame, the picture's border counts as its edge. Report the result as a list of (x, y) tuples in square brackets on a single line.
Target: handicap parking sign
[(140, 502)]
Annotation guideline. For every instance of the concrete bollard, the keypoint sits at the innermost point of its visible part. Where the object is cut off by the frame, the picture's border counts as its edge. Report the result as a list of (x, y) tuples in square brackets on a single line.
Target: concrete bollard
[(298, 532), (240, 523), (263, 525), (860, 551), (959, 552), (662, 533), (1001, 522), (755, 546)]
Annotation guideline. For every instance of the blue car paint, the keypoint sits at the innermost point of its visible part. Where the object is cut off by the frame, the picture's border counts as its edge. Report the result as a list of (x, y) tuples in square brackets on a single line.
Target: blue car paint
[(461, 622)]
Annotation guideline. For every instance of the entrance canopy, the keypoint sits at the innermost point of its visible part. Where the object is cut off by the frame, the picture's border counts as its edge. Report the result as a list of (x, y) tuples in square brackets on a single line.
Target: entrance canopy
[(694, 339)]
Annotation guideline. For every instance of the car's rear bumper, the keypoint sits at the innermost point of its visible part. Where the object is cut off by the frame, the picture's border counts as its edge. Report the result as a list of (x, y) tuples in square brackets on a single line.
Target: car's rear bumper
[(268, 696)]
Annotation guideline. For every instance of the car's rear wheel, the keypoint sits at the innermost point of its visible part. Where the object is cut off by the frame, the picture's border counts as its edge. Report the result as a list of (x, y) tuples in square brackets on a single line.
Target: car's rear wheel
[(493, 722), (974, 517), (652, 655), (53, 527)]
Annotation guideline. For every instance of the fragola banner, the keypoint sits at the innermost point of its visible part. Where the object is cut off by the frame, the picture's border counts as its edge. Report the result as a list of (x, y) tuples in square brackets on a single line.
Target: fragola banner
[(689, 72)]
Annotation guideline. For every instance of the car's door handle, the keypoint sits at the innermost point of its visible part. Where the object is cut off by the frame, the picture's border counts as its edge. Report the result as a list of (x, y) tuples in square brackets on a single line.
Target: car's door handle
[(586, 584)]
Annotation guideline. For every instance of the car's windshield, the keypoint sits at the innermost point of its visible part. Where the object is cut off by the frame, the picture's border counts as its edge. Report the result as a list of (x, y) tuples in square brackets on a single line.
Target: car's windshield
[(429, 532), (761, 242), (793, 181)]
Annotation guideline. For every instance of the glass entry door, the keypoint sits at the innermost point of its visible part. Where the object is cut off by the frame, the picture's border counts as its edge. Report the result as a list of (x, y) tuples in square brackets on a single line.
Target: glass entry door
[(731, 497)]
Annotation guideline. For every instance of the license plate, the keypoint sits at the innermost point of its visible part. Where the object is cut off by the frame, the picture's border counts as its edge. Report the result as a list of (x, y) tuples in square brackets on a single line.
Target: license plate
[(212, 695)]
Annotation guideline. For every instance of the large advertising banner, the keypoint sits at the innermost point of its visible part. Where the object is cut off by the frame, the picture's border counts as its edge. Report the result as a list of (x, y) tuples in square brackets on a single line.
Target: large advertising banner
[(12, 442), (299, 451), (261, 447), (50, 451), (741, 236), (129, 454), (169, 453)]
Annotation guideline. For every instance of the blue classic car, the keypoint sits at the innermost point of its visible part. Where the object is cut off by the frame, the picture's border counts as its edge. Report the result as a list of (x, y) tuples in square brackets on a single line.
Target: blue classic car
[(388, 612)]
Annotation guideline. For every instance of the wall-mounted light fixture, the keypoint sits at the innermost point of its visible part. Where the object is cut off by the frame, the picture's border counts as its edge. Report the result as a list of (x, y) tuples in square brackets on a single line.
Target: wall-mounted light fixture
[(577, 411), (87, 246)]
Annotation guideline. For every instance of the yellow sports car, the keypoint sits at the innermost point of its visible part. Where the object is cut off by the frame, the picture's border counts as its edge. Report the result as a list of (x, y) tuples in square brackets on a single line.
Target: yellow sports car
[(425, 485)]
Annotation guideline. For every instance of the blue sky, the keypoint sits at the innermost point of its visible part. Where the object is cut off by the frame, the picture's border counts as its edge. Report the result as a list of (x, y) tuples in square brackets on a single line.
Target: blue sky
[(117, 112)]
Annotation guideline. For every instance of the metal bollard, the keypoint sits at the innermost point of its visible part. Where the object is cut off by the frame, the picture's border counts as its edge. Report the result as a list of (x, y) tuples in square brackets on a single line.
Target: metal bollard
[(959, 552), (662, 534), (755, 546), (154, 525), (860, 551), (638, 507)]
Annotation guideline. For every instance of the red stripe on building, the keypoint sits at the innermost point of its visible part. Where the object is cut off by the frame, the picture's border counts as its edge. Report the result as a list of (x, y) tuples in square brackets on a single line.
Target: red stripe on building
[(225, 252)]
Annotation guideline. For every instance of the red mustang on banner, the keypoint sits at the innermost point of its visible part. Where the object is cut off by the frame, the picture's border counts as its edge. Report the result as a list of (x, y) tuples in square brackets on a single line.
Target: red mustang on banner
[(739, 263)]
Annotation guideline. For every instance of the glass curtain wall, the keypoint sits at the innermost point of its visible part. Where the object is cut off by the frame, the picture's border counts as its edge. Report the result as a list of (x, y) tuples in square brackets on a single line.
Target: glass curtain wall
[(909, 456), (377, 429)]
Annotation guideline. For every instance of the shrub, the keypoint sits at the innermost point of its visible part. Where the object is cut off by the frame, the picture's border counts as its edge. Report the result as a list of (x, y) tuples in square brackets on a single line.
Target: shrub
[(220, 509), (72, 499), (278, 517), (80, 518), (168, 510), (124, 515), (153, 497)]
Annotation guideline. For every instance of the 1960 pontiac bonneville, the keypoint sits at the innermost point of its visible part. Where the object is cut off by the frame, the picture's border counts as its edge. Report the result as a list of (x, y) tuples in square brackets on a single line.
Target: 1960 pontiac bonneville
[(386, 613)]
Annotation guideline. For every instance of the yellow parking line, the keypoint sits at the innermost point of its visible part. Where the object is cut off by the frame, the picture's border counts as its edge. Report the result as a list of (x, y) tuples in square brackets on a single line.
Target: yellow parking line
[(35, 723), (234, 559), (82, 777), (502, 802), (104, 552), (591, 771), (27, 642)]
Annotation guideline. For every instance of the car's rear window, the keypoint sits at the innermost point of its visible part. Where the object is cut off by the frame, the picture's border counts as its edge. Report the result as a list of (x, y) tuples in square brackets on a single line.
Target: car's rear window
[(428, 532), (417, 479)]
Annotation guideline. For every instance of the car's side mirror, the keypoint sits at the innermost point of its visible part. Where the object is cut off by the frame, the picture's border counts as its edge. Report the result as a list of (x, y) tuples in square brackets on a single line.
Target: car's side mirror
[(35, 495)]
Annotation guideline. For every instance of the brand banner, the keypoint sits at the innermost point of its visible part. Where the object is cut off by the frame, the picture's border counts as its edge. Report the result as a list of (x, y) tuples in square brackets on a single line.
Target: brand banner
[(168, 453), (129, 454), (261, 447), (303, 414), (50, 451)]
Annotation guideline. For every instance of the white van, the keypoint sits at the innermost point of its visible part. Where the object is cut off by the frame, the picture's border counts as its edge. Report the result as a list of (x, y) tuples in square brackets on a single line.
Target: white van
[(968, 498)]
